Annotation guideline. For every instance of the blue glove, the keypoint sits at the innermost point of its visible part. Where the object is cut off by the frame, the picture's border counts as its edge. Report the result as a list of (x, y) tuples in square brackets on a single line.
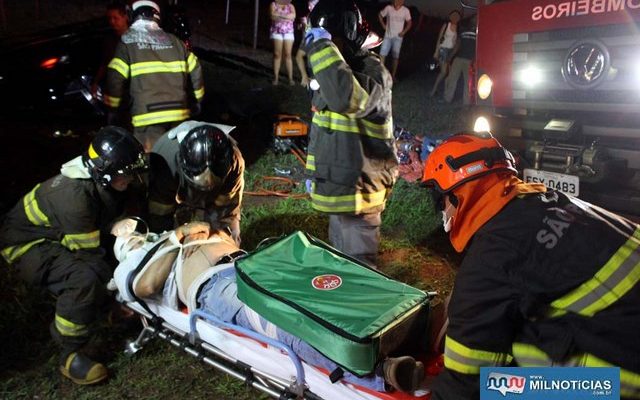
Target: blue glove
[(314, 34)]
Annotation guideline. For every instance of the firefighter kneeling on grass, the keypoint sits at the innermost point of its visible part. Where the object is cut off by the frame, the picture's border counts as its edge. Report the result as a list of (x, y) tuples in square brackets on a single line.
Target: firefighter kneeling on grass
[(548, 279), (52, 238)]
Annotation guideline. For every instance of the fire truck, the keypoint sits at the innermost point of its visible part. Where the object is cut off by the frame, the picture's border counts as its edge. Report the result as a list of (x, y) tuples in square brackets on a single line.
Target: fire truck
[(558, 82)]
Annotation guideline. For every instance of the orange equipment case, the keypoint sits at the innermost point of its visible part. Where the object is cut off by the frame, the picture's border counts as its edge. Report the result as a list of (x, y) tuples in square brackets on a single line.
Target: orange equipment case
[(289, 126)]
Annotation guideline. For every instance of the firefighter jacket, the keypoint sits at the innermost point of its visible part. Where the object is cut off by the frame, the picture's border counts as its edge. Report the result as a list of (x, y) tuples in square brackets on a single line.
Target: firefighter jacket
[(220, 207), (351, 148), (163, 77), (71, 211), (548, 281)]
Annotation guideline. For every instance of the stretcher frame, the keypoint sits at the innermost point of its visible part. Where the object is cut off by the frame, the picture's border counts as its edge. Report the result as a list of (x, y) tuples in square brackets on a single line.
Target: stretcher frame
[(188, 332)]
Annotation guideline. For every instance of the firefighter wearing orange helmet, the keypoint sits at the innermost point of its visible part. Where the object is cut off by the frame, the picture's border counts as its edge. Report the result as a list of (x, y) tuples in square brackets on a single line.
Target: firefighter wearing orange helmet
[(547, 279)]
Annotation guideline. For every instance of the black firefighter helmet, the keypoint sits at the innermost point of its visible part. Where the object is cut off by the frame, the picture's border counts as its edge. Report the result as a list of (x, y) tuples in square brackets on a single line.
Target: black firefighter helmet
[(114, 152), (341, 18), (205, 157)]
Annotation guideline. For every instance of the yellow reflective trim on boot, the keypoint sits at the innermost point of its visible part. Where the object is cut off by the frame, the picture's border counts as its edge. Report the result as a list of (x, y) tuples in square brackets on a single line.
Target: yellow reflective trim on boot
[(82, 370)]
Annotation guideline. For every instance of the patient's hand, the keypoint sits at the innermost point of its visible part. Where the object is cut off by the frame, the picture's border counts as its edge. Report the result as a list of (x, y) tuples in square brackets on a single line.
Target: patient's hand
[(193, 231)]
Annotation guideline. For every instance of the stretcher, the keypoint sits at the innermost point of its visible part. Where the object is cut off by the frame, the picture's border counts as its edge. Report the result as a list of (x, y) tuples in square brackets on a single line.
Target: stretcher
[(257, 360)]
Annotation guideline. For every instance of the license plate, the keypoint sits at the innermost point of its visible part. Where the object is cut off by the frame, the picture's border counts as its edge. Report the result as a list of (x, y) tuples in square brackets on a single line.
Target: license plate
[(569, 184)]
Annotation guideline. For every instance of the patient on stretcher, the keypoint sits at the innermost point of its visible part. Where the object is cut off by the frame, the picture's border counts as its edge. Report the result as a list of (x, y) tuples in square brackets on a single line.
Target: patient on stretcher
[(200, 274)]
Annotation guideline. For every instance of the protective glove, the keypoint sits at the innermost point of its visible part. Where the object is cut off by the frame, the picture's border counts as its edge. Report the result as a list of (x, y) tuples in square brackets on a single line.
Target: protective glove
[(314, 34), (308, 185)]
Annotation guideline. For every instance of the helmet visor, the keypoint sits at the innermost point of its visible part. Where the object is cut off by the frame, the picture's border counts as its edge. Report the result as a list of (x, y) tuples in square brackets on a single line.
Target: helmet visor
[(135, 169), (204, 181)]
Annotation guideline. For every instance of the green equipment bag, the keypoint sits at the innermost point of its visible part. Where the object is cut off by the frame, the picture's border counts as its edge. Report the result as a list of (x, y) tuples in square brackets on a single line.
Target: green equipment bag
[(347, 311)]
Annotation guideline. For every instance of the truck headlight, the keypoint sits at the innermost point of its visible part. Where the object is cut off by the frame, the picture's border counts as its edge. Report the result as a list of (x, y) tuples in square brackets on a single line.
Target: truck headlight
[(481, 125), (484, 86), (530, 76)]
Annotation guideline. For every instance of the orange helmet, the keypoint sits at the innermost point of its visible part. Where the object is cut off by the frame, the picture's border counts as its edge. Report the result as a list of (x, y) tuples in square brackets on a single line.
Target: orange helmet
[(465, 157)]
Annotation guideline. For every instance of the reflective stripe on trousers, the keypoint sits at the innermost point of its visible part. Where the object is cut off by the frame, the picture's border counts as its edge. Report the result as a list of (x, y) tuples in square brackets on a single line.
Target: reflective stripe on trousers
[(527, 355), (466, 360)]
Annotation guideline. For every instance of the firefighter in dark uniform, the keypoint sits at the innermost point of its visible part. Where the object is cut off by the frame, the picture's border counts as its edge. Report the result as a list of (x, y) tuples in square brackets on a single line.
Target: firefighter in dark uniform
[(197, 174), (547, 280), (351, 155), (52, 237), (163, 77)]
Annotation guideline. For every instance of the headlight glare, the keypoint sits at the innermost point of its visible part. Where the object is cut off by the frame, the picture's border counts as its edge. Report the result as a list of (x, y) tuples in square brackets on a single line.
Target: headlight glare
[(531, 76), (484, 86), (481, 125)]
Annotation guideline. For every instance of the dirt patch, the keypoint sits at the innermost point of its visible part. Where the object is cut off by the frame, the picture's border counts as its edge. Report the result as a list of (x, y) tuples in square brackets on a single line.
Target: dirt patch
[(418, 267)]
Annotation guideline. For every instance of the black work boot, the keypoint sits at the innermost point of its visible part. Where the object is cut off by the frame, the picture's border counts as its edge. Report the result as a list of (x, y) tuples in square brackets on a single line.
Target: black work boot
[(403, 373), (81, 369)]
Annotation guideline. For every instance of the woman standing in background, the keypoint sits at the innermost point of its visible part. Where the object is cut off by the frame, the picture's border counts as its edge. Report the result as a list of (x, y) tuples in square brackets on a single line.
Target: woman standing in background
[(444, 49), (283, 13)]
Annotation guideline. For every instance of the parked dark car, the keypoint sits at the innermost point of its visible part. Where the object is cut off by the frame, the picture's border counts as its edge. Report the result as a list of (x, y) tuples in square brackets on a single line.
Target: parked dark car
[(51, 72)]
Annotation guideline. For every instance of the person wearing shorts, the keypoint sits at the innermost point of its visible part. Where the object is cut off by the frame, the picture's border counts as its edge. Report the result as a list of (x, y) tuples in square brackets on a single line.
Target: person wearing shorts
[(283, 13), (396, 21), (447, 41)]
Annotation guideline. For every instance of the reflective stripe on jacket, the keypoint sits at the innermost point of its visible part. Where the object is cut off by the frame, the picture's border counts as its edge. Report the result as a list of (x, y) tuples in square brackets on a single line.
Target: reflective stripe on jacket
[(351, 149), (164, 78), (69, 211), (550, 280)]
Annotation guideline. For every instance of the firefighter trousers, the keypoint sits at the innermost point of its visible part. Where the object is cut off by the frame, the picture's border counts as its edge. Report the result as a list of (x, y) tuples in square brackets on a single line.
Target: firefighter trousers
[(149, 135), (78, 280), (356, 235)]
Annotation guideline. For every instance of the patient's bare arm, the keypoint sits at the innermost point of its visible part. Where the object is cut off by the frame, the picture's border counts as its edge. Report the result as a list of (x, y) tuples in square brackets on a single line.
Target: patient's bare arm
[(152, 279)]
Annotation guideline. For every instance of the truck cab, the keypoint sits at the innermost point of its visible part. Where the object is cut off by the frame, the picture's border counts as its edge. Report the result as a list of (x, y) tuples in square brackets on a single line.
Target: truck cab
[(558, 82)]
